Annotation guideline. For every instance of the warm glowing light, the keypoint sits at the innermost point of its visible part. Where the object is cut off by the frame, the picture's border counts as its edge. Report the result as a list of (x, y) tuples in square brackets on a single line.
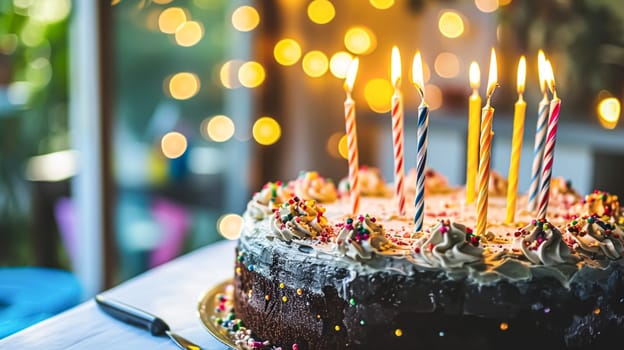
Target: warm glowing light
[(487, 6), (474, 75), (220, 128), (493, 74), (609, 112), (228, 74), (549, 76), (352, 74), (434, 96), (339, 64), (541, 70), (251, 74), (173, 145), (446, 65), (426, 72), (417, 72), (229, 226), (332, 144), (315, 64), (56, 166), (161, 2), (287, 52), (395, 66), (245, 18), (504, 2), (189, 33), (321, 11), (343, 147), (521, 79), (451, 24), (382, 4), (266, 131), (183, 86), (360, 40), (378, 94), (170, 19)]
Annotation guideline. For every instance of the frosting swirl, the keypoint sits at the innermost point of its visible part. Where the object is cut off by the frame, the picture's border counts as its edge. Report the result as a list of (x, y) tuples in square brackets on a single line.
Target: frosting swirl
[(310, 185), (450, 245), (542, 243), (362, 238), (371, 183), (596, 237), (297, 219), (270, 197)]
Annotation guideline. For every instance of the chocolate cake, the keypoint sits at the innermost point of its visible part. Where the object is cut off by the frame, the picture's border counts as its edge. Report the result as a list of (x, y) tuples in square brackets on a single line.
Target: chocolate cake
[(309, 276)]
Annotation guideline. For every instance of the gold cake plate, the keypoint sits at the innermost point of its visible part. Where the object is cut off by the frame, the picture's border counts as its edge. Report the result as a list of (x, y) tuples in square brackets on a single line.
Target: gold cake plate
[(207, 313)]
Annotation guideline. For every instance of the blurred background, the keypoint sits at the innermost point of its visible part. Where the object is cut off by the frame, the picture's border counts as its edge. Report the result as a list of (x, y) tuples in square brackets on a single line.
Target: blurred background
[(133, 131)]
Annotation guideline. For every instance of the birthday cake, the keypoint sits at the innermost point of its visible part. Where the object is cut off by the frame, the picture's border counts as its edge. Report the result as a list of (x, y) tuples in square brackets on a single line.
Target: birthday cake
[(310, 276)]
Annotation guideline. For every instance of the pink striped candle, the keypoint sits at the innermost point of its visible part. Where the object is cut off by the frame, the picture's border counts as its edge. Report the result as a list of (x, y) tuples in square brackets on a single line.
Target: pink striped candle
[(549, 149), (397, 132), (349, 104)]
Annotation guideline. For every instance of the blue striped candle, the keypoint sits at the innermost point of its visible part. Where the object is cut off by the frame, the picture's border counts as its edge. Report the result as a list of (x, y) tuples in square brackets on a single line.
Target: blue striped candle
[(538, 152), (421, 159)]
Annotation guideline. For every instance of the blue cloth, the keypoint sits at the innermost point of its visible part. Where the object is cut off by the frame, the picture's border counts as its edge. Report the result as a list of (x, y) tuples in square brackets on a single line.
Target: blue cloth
[(31, 294)]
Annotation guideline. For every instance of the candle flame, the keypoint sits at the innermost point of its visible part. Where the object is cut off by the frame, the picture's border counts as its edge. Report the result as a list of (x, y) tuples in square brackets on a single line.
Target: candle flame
[(550, 77), (417, 74), (395, 68), (474, 75), (351, 74), (541, 62), (521, 74), (493, 75)]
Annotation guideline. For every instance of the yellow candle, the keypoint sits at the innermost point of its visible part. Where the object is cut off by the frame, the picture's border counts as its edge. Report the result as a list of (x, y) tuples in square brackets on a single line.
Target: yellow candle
[(516, 145), (485, 150), (472, 157)]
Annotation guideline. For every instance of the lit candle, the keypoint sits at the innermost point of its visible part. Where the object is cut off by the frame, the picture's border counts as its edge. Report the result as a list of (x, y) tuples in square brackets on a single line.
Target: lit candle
[(549, 149), (472, 157), (354, 188), (421, 157), (516, 143), (397, 131), (485, 147), (540, 133)]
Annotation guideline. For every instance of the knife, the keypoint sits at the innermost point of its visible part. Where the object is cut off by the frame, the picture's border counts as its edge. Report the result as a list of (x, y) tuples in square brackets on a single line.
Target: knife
[(139, 318)]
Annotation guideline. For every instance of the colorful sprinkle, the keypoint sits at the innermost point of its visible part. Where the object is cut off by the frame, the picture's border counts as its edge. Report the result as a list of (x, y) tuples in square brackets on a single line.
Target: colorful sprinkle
[(284, 298), (597, 311), (299, 291), (281, 285), (337, 328), (362, 322), (398, 332), (352, 302), (504, 326), (267, 297)]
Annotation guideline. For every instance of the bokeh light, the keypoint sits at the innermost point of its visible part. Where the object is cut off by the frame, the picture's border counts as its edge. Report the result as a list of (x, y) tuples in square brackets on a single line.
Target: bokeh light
[(343, 147), (434, 96), (321, 11), (245, 18), (161, 2), (219, 128), (266, 131), (609, 112), (49, 11), (183, 86), (446, 65), (251, 74), (451, 24), (378, 94), (315, 64), (360, 40), (339, 64), (382, 4), (332, 144), (170, 19), (487, 6), (228, 74), (229, 226), (504, 2), (173, 145), (189, 33), (287, 52)]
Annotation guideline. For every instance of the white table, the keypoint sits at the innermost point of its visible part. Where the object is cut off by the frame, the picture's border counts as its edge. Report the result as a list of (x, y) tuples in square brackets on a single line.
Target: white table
[(171, 291)]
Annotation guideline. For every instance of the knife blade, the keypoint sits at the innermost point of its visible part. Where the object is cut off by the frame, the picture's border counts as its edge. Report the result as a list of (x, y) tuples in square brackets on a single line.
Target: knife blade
[(142, 319)]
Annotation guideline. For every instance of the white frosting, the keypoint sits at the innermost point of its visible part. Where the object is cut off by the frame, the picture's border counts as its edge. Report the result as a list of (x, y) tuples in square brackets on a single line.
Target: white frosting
[(447, 247), (542, 243), (270, 197), (297, 219), (598, 238), (310, 185), (362, 238)]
